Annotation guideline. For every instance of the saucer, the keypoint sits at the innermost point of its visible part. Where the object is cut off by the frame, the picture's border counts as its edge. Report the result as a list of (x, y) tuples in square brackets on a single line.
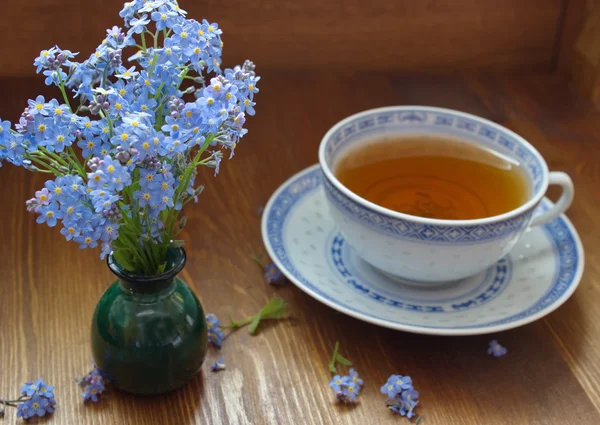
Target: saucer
[(538, 275)]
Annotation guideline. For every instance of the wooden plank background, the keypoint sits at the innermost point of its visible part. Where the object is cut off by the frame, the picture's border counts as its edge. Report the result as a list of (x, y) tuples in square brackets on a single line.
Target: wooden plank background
[(394, 35)]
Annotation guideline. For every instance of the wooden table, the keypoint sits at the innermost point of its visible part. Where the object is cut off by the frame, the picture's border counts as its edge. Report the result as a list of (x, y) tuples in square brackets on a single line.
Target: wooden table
[(550, 376)]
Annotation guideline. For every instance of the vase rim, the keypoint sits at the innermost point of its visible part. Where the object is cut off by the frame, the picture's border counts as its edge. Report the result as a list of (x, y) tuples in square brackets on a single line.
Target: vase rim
[(176, 266)]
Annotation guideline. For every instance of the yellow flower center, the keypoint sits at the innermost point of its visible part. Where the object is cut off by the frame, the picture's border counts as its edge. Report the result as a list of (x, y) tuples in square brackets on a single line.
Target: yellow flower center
[(200, 33), (210, 28), (122, 92), (111, 169), (188, 114), (217, 87), (58, 111), (39, 106), (165, 186), (146, 196), (197, 50), (71, 230), (90, 145), (97, 178), (156, 140), (251, 86), (127, 74), (88, 125), (70, 210), (60, 138), (57, 190), (163, 17), (119, 106), (184, 34), (135, 123), (46, 53), (144, 108), (175, 127), (228, 95), (146, 145), (168, 50), (105, 130), (74, 186), (147, 83), (124, 136), (43, 198), (42, 128), (49, 214), (246, 102), (210, 101)]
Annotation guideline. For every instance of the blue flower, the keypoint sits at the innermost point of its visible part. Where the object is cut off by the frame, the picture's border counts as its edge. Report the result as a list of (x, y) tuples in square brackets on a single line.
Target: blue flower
[(169, 53), (30, 388), (23, 410), (409, 396), (165, 18), (93, 392), (89, 239), (215, 334), (272, 273), (351, 391), (496, 349), (403, 382), (336, 383), (38, 106), (138, 24), (218, 365), (49, 214), (389, 388), (37, 406), (355, 378), (45, 390)]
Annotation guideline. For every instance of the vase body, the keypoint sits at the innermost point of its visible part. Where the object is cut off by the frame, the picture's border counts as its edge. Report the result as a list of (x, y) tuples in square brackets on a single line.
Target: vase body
[(149, 333)]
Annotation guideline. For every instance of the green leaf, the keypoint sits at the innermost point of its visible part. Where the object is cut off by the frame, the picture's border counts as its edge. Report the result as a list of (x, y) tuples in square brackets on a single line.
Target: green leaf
[(162, 267), (274, 309), (331, 365), (177, 243), (123, 259), (420, 420), (342, 360), (254, 324)]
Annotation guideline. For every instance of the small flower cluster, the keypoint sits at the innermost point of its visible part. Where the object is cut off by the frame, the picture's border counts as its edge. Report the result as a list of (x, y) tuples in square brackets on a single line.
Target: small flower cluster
[(496, 350), (143, 130), (346, 388), (93, 385), (37, 399), (215, 333), (402, 397)]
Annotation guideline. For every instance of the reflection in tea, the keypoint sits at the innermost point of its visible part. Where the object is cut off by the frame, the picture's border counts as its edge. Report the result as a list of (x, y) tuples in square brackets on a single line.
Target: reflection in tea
[(434, 177)]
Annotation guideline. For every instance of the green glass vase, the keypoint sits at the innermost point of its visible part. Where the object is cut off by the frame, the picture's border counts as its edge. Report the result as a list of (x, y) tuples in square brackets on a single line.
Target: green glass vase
[(149, 333)]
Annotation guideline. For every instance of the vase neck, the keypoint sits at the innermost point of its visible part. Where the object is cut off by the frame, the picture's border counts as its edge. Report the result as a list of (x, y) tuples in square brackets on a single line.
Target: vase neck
[(144, 287), (144, 284)]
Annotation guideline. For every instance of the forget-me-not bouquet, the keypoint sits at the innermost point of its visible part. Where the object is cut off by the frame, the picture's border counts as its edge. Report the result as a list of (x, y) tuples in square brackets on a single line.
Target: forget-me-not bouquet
[(142, 127)]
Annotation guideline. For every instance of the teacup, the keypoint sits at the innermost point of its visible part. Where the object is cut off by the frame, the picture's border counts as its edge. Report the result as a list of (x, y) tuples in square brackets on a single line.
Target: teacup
[(427, 251)]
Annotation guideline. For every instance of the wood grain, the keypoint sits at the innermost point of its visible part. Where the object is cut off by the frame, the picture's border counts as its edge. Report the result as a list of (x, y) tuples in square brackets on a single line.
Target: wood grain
[(550, 376), (402, 35)]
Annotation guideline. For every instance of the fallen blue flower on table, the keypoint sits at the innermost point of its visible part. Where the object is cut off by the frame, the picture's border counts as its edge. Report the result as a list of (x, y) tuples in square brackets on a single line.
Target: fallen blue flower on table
[(402, 397), (496, 349), (272, 273), (218, 365), (37, 399), (93, 385), (215, 334), (346, 388)]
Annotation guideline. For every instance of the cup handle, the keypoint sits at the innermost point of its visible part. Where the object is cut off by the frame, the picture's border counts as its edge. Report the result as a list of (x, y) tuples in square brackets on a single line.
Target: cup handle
[(563, 180)]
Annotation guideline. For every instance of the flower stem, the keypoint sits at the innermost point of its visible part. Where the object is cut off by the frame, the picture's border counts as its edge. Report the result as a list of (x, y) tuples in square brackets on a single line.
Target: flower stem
[(62, 90)]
